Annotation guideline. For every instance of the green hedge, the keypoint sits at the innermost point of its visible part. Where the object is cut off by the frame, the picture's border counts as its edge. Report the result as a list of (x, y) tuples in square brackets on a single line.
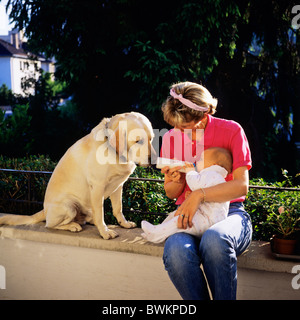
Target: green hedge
[(138, 196), (260, 203)]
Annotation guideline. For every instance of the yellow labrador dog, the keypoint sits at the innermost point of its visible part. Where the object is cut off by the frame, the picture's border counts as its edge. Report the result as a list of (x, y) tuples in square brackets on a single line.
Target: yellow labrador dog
[(91, 170)]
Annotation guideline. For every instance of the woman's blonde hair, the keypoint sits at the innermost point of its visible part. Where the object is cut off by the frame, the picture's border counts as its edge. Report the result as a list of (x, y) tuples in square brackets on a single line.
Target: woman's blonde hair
[(176, 113)]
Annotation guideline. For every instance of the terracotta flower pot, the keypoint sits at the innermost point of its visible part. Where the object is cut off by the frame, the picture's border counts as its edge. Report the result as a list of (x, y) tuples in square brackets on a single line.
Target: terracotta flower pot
[(284, 246)]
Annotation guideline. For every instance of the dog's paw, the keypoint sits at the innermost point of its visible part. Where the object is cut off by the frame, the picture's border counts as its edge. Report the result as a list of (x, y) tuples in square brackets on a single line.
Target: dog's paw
[(108, 234), (74, 227), (127, 224)]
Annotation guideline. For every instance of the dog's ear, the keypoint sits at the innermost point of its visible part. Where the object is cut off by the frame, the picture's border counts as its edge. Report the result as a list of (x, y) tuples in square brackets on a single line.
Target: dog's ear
[(117, 138)]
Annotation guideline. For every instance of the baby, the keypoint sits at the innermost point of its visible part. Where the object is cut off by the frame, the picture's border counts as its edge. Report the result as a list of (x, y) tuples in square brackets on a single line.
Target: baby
[(213, 167)]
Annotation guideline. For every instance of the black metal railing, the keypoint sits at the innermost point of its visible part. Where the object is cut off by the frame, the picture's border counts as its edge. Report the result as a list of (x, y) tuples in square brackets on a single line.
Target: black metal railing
[(32, 202), (30, 198)]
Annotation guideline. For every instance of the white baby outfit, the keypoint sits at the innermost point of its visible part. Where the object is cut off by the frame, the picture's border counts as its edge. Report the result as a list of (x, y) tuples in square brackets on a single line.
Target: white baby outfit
[(206, 215)]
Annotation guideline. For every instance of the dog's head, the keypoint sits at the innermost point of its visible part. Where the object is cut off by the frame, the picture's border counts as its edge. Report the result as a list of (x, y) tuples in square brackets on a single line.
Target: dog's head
[(131, 135)]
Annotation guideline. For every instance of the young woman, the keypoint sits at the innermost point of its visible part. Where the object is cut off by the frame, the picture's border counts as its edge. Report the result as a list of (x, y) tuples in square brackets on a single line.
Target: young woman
[(189, 107)]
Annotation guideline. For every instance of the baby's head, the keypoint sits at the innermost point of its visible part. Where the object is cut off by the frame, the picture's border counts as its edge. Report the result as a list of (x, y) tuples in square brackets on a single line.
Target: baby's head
[(215, 155)]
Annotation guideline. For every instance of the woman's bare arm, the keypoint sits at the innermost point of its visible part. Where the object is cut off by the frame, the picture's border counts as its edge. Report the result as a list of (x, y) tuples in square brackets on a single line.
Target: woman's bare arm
[(220, 193)]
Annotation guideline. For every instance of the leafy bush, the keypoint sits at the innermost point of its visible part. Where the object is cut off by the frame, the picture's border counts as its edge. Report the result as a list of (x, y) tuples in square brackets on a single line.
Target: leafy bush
[(6, 96), (23, 186), (14, 137), (261, 203), (146, 196), (139, 197)]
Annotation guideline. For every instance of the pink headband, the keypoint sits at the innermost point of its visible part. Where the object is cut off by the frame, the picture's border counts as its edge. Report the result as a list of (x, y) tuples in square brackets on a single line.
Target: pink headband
[(187, 102)]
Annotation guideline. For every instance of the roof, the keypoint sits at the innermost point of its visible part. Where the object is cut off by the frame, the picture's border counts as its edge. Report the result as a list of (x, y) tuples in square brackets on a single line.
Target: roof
[(7, 49)]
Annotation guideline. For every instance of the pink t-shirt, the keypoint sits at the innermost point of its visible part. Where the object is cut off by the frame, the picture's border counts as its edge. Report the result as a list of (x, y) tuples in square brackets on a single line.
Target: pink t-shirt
[(221, 133)]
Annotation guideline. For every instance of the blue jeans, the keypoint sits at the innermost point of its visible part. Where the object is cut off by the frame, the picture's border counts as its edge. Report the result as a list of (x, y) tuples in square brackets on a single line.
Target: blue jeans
[(217, 251)]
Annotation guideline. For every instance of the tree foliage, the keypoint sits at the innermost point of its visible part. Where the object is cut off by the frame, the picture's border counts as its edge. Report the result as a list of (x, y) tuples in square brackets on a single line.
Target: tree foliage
[(39, 124), (122, 55)]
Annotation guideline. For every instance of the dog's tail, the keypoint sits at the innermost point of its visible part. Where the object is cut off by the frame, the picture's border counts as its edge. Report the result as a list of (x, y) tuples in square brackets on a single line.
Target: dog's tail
[(15, 220)]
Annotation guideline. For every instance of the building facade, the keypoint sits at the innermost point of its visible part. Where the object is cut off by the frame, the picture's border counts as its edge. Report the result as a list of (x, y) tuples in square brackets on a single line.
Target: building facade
[(18, 67)]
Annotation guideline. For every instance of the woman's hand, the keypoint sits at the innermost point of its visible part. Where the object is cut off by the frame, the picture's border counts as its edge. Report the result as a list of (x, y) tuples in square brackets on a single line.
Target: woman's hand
[(173, 174), (188, 209), (189, 167), (174, 181)]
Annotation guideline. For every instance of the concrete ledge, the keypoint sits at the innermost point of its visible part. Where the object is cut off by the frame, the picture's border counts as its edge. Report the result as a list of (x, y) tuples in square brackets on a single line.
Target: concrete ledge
[(258, 256), (129, 240), (42, 263)]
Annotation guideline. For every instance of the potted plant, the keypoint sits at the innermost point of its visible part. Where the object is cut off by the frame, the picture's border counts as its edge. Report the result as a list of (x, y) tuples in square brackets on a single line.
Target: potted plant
[(285, 222)]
